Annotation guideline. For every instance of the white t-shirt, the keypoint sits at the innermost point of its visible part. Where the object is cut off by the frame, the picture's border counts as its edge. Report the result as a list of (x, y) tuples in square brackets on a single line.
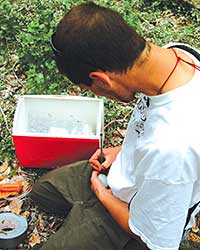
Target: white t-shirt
[(158, 169)]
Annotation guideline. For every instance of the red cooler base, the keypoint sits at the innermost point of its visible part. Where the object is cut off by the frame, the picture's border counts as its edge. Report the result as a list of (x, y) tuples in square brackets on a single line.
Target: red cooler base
[(49, 152)]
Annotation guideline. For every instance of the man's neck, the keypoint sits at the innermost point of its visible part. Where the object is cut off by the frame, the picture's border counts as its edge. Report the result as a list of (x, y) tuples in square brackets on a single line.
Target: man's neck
[(149, 77)]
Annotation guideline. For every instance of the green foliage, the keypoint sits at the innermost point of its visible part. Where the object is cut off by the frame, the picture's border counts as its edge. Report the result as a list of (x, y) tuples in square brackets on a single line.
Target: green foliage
[(7, 148), (26, 60), (34, 52), (166, 21), (9, 24), (27, 27)]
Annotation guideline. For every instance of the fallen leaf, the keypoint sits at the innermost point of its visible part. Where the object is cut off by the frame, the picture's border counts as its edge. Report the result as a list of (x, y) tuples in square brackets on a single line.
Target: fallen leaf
[(26, 186), (41, 222), (5, 209), (193, 237), (3, 203), (195, 228), (16, 166), (4, 166), (34, 239), (26, 214), (4, 195), (73, 93), (16, 206)]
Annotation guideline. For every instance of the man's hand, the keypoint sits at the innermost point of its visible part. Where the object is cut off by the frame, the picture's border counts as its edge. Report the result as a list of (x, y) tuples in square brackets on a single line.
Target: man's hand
[(97, 186), (117, 208), (109, 154)]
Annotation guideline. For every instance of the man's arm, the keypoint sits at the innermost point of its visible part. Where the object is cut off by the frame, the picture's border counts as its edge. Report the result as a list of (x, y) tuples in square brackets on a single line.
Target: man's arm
[(117, 208)]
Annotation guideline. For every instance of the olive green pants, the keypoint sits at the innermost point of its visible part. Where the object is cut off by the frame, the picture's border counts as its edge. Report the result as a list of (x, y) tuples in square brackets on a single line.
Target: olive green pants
[(87, 225)]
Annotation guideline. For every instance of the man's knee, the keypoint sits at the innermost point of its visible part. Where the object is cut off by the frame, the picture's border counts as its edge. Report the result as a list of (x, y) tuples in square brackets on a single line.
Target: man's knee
[(49, 199)]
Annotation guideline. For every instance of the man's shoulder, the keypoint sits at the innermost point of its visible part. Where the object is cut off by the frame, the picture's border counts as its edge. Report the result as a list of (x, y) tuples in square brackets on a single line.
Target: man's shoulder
[(184, 46)]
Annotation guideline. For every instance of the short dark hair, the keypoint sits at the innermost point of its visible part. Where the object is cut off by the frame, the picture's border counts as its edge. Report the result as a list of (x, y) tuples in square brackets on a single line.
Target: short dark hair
[(90, 38)]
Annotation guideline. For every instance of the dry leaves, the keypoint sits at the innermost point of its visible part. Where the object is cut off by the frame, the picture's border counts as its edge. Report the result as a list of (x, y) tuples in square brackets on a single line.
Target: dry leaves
[(40, 225), (8, 177), (4, 166), (16, 206), (193, 237), (34, 239), (4, 195), (26, 214)]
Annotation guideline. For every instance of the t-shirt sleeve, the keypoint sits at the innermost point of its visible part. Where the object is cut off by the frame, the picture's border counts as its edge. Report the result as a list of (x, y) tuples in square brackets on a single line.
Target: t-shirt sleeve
[(158, 213)]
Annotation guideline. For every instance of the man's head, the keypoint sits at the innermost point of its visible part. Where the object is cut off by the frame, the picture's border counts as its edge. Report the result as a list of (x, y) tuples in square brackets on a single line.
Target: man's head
[(90, 38)]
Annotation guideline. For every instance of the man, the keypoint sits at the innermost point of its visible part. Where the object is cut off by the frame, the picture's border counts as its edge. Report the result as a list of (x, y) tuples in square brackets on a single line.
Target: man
[(154, 178)]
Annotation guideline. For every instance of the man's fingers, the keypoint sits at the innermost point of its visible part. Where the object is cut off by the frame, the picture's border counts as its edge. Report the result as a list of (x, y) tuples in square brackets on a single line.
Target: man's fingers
[(106, 163), (94, 174), (96, 165), (94, 181), (95, 156)]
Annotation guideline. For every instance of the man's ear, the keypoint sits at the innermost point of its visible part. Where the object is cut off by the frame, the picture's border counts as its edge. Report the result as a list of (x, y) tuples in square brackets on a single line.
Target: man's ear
[(100, 76)]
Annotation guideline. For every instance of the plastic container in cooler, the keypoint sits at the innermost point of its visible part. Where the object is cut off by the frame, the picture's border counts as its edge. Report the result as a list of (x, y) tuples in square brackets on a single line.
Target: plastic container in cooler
[(50, 131)]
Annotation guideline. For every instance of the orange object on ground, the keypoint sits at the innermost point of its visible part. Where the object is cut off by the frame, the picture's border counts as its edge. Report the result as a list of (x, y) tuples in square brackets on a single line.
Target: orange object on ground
[(1, 177), (11, 187), (4, 195)]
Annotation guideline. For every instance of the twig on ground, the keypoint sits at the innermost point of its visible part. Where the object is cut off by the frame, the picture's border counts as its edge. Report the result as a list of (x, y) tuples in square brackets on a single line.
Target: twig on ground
[(118, 120), (5, 120)]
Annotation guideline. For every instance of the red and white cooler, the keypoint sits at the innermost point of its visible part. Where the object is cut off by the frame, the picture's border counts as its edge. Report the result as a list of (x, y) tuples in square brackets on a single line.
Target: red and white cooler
[(50, 131)]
